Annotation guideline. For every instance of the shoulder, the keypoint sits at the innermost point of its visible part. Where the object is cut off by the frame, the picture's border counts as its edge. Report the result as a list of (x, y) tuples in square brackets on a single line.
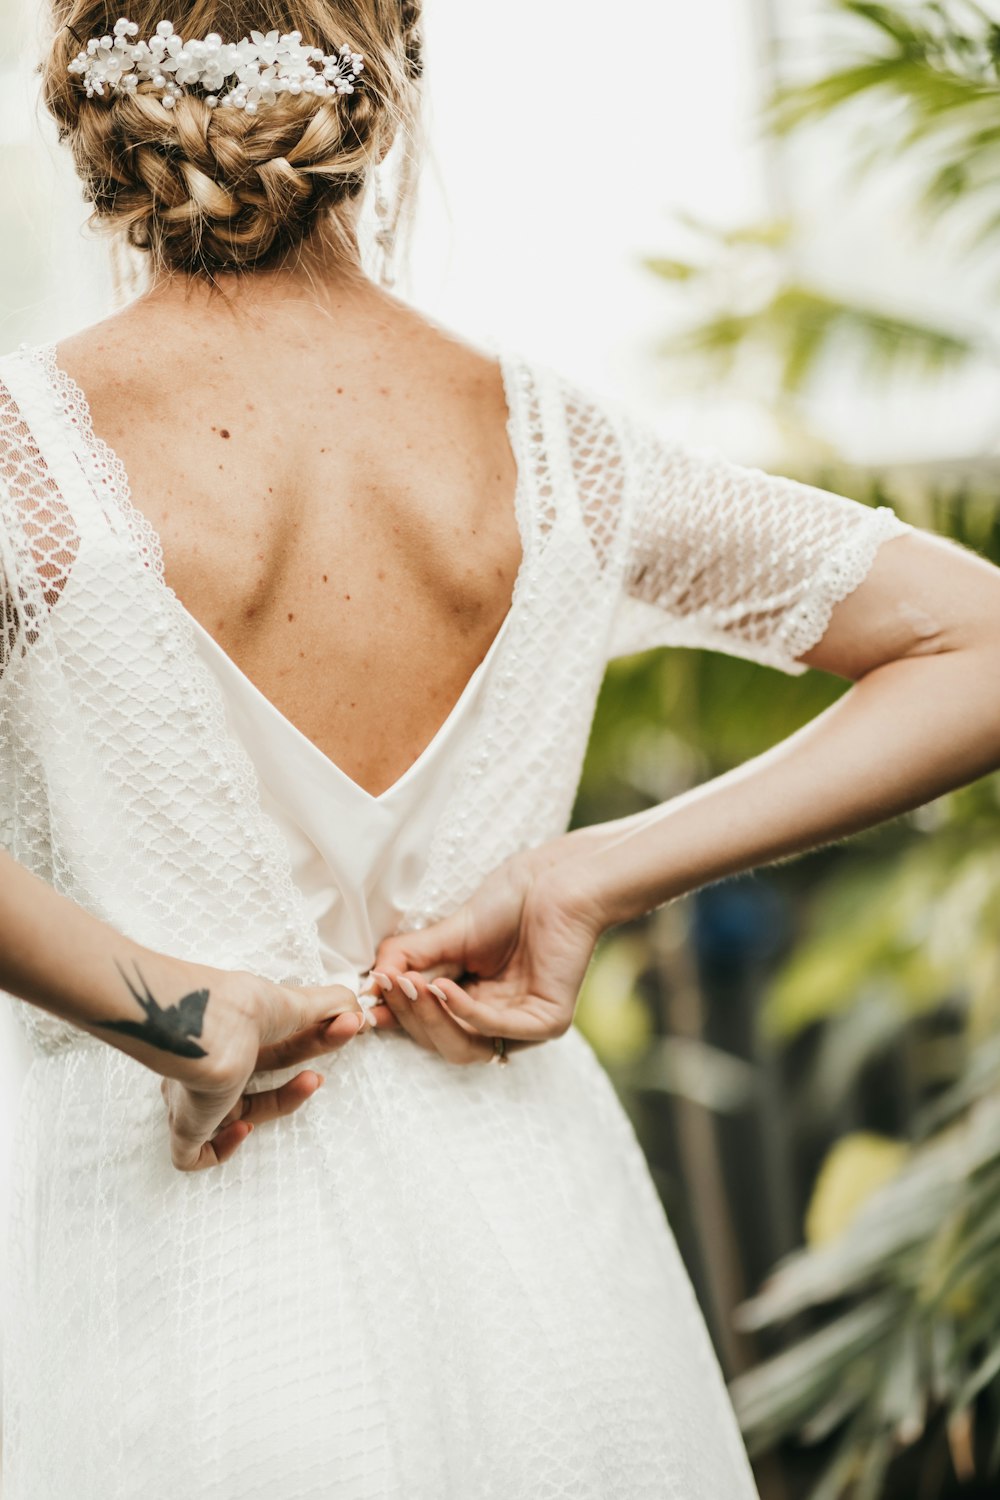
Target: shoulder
[(564, 396), (601, 438)]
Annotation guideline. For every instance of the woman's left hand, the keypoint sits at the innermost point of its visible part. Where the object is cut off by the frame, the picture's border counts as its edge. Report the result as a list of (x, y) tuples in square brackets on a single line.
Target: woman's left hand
[(521, 947)]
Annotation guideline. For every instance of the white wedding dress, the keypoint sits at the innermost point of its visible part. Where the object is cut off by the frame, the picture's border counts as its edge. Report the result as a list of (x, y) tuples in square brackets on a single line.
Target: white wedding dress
[(430, 1283)]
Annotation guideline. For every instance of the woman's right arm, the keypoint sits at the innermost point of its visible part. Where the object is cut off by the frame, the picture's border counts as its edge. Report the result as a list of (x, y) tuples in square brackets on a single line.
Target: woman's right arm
[(205, 1031)]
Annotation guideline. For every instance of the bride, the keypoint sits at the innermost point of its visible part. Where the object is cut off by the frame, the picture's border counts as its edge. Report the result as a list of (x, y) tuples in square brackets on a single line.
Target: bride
[(306, 604)]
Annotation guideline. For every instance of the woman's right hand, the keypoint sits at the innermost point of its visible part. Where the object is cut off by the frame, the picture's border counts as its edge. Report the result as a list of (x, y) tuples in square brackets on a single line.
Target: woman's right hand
[(241, 1025), (205, 1031)]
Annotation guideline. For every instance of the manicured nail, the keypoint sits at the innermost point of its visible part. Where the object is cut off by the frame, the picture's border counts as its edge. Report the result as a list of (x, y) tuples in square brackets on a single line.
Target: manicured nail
[(408, 987), (439, 993), (382, 980)]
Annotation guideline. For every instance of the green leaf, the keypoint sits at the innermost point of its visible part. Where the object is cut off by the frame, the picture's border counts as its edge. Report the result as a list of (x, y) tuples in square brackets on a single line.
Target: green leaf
[(672, 270), (979, 1379)]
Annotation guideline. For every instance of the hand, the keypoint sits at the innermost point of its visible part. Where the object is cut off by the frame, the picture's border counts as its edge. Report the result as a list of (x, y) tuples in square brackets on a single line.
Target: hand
[(520, 947), (256, 1026)]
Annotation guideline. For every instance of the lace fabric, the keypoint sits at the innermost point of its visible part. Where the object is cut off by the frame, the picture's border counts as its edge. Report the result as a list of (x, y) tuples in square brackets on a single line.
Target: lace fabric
[(434, 1283), (732, 559)]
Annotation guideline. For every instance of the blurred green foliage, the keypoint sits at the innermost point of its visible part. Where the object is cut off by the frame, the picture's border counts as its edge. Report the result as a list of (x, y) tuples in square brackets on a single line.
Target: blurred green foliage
[(894, 1311)]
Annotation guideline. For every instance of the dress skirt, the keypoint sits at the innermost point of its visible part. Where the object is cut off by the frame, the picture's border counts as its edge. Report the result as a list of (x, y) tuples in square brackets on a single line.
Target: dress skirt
[(431, 1283)]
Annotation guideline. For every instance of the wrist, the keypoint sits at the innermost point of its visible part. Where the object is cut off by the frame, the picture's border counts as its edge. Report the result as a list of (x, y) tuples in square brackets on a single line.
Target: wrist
[(572, 887), (575, 845)]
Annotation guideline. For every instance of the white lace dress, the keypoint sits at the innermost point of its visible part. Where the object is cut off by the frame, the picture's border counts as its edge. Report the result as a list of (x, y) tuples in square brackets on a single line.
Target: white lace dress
[(431, 1283)]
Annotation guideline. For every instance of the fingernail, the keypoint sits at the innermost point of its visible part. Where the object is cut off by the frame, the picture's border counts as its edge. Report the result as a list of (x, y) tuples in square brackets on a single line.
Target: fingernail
[(439, 993), (382, 980), (322, 1079), (249, 1128), (408, 987)]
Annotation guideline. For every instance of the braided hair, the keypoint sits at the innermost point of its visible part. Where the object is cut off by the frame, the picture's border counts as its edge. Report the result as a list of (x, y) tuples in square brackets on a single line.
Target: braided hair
[(205, 190)]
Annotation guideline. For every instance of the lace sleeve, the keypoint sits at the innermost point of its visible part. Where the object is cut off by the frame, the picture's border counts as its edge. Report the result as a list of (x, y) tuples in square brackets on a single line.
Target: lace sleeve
[(9, 618), (735, 560)]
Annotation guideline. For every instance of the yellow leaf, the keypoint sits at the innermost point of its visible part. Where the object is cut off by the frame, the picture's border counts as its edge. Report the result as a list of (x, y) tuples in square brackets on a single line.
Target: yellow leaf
[(854, 1168), (611, 1013)]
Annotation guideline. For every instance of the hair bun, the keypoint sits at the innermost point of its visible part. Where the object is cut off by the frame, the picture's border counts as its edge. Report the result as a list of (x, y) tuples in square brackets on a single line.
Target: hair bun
[(206, 189)]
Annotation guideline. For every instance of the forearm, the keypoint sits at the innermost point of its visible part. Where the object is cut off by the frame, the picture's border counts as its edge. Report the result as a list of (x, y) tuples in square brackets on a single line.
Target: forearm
[(905, 733), (56, 955)]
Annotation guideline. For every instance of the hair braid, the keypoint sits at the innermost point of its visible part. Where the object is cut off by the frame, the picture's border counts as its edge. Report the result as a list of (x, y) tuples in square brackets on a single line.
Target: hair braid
[(204, 189)]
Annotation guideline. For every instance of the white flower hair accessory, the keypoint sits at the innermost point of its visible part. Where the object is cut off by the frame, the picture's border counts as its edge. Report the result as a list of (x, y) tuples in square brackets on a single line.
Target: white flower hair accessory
[(241, 74)]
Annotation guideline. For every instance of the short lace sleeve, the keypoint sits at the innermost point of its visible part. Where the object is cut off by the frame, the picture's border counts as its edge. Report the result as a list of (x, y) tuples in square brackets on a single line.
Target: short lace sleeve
[(9, 617), (733, 559)]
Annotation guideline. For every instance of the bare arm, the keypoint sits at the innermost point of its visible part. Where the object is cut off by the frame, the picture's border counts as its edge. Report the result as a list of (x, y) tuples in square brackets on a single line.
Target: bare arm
[(205, 1031), (57, 956), (921, 640)]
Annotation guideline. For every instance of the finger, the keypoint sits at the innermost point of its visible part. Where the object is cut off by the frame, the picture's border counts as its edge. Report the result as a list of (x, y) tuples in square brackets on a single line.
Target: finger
[(275, 1104), (439, 948), (454, 1043), (496, 1018), (297, 1008), (191, 1152), (305, 1045), (227, 1141), (327, 1037), (402, 1009), (383, 1017)]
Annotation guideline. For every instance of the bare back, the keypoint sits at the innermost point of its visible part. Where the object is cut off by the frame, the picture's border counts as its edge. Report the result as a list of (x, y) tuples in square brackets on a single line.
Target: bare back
[(334, 490)]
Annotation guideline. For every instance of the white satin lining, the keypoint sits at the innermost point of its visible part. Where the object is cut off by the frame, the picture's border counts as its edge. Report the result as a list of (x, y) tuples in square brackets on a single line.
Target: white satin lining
[(357, 859)]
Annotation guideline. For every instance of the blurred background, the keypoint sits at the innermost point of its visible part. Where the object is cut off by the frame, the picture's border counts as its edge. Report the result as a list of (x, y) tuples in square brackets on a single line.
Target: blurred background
[(772, 226)]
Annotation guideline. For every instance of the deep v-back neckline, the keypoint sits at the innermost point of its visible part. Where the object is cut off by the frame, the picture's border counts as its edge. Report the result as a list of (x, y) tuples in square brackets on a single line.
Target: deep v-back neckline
[(82, 432), (311, 752)]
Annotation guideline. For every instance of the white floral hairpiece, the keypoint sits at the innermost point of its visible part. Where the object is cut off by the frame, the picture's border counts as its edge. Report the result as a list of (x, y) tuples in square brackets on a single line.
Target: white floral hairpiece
[(263, 66)]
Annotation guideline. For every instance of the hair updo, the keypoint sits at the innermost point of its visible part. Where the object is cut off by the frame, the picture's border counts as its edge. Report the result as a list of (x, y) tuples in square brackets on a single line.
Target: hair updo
[(205, 189)]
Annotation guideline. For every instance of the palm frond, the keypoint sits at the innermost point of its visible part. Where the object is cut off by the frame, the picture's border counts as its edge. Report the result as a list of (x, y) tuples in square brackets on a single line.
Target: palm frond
[(941, 67), (799, 326), (921, 1332)]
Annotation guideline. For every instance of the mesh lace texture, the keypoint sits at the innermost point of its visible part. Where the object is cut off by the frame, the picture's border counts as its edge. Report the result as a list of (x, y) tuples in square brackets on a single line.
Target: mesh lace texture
[(125, 789), (428, 1260), (735, 560)]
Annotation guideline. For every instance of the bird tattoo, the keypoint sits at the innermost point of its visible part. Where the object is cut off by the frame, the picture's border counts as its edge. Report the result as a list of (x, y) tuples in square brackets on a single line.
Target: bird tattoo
[(171, 1028)]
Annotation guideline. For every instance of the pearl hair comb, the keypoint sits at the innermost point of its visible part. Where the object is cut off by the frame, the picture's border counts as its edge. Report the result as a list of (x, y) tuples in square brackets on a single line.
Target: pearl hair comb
[(262, 66)]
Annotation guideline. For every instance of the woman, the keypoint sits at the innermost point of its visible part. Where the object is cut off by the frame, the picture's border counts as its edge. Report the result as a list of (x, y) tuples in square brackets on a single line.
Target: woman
[(306, 607)]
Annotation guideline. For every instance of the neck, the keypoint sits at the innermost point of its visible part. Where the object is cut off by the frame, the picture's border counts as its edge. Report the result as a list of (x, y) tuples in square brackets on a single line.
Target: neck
[(320, 277)]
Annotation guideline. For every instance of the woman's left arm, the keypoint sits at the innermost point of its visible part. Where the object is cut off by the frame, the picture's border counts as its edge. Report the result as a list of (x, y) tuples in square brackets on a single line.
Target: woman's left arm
[(920, 638)]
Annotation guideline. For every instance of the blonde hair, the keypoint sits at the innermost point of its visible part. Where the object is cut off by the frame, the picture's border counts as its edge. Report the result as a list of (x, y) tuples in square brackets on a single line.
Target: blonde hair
[(206, 190)]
